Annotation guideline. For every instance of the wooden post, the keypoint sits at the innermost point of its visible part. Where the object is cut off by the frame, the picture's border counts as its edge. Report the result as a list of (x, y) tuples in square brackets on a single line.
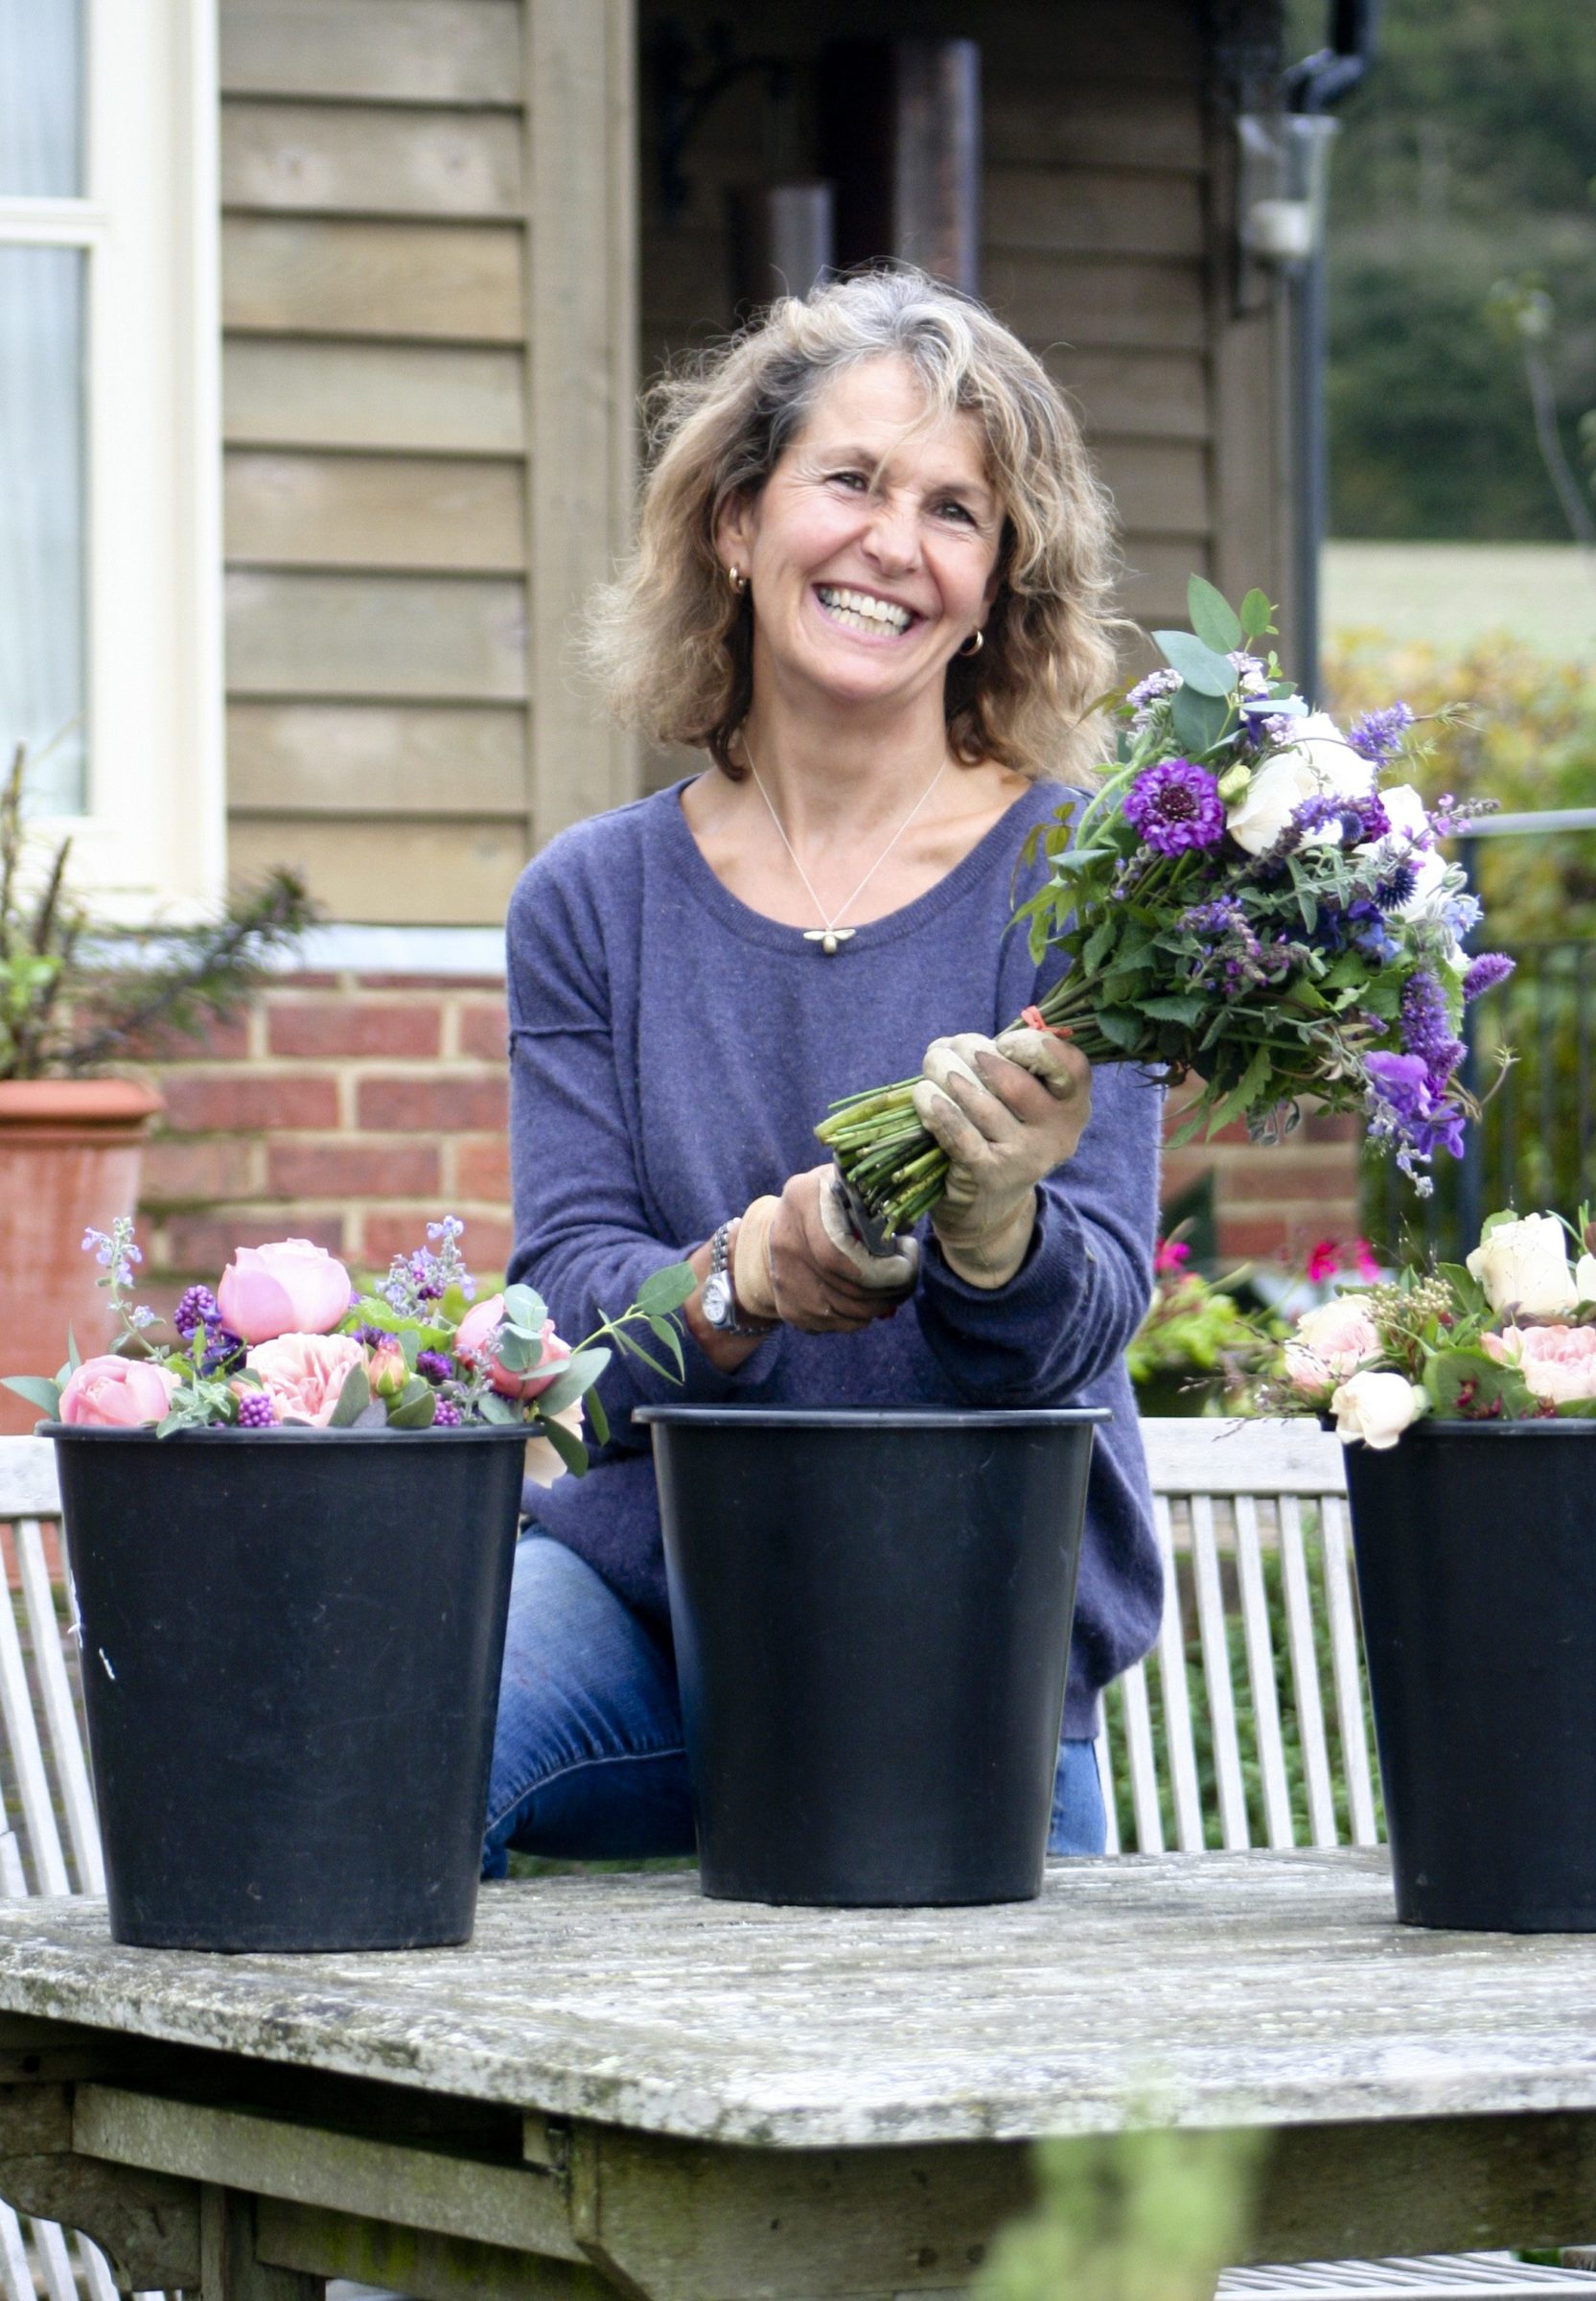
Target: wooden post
[(581, 385), (902, 132), (228, 2268)]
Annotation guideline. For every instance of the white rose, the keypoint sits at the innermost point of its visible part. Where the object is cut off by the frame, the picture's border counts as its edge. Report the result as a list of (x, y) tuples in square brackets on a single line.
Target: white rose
[(1404, 811), (1430, 875), (543, 1464), (1584, 1278), (1523, 1266), (1377, 1407), (1272, 798), (1338, 767)]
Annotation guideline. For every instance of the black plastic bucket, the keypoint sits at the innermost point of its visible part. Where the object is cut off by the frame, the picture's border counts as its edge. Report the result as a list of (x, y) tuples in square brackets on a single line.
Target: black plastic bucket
[(291, 1646), (1476, 1572), (871, 1611)]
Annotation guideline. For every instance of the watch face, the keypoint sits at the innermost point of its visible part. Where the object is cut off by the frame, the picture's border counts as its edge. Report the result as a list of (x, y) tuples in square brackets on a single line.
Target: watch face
[(717, 1299)]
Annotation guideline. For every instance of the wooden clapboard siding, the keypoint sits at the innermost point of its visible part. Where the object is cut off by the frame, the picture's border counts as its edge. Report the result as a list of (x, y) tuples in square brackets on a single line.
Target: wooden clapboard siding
[(415, 399), (445, 639), (1092, 212), (374, 511), (1134, 395), (433, 870), (346, 759), (313, 276), (1101, 124), (1147, 306), (427, 52), (415, 469), (342, 159)]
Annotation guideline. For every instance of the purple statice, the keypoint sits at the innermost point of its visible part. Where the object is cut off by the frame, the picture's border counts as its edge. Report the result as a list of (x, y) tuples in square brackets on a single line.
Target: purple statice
[(1405, 1107), (1426, 1027), (1147, 693), (1377, 735), (446, 1415), (256, 1412), (432, 1366), (1175, 806), (196, 1306), (1485, 972)]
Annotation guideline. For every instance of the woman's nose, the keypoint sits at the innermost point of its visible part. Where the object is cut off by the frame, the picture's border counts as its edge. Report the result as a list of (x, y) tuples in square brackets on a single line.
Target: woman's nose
[(892, 537)]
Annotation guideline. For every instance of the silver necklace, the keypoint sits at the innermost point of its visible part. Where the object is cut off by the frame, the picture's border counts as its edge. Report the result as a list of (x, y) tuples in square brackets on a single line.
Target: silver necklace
[(830, 936)]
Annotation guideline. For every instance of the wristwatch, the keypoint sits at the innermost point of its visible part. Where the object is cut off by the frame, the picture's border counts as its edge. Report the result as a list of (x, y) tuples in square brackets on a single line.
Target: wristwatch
[(718, 1301)]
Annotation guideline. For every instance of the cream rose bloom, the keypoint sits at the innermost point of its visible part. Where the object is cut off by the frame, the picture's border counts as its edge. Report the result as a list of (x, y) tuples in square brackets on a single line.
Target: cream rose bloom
[(1376, 1407), (1558, 1363), (1318, 762), (1338, 766), (1584, 1278), (1330, 1343), (543, 1462), (1523, 1266)]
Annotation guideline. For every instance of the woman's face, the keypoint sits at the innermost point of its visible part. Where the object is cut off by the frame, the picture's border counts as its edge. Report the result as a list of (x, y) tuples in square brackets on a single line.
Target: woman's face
[(872, 555)]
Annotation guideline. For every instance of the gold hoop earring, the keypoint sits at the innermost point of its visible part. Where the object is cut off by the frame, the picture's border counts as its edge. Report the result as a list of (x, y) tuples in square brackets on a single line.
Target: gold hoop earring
[(739, 581), (974, 645)]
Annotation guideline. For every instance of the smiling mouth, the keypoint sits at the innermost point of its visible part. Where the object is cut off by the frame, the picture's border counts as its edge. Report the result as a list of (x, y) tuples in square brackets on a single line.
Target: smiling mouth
[(862, 612)]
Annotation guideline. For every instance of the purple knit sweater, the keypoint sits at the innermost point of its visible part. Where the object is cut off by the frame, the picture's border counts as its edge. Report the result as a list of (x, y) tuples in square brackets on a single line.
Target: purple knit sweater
[(670, 1053)]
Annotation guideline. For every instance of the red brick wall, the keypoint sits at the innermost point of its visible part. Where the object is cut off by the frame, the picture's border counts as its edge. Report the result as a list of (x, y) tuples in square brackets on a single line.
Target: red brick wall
[(350, 1111), (353, 1109)]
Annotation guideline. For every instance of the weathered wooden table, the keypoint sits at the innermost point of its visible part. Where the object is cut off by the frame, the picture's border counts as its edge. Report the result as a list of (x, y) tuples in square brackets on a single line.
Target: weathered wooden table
[(621, 2086)]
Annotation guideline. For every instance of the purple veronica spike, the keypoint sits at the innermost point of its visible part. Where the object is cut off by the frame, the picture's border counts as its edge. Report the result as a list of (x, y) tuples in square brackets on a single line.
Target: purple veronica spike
[(1489, 969), (1176, 807), (1426, 1028)]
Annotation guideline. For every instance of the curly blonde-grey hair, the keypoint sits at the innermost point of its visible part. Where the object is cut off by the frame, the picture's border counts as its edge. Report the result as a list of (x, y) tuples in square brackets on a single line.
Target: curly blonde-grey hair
[(674, 642)]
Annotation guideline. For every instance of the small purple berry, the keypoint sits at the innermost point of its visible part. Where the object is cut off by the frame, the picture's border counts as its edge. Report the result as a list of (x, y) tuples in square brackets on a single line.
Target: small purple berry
[(196, 1308), (256, 1412), (446, 1415)]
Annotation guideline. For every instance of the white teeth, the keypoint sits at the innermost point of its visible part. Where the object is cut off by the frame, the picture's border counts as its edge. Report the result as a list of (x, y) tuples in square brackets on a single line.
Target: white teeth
[(863, 610)]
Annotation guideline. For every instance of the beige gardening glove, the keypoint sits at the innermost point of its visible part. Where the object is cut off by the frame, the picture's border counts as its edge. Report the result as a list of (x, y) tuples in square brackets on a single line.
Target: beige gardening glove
[(1007, 1111), (797, 1260)]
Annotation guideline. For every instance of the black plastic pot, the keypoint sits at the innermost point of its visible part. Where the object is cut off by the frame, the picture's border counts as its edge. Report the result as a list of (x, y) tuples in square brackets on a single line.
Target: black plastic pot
[(872, 1612), (1476, 1572), (292, 1642)]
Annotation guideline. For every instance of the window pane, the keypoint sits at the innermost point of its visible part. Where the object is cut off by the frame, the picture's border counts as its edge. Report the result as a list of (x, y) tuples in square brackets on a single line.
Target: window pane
[(42, 655), (41, 97)]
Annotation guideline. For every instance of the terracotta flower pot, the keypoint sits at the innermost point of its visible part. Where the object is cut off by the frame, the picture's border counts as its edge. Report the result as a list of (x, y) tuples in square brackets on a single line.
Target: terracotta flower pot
[(70, 1154)]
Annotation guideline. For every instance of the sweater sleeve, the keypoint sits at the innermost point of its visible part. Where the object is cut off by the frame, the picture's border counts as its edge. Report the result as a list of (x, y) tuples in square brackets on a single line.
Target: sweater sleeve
[(1085, 1284), (583, 1236)]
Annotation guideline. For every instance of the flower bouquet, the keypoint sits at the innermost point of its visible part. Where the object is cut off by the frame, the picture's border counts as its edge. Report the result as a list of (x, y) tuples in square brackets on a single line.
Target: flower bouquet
[(1195, 1345), (291, 1532), (1466, 1395), (1252, 897), (285, 1341), (1508, 1335)]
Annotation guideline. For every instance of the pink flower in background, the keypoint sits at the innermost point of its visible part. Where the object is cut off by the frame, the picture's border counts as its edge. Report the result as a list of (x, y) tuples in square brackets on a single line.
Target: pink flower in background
[(1171, 1254), (304, 1374), (292, 1287), (473, 1342), (1558, 1363), (112, 1393), (1324, 1261), (1365, 1262)]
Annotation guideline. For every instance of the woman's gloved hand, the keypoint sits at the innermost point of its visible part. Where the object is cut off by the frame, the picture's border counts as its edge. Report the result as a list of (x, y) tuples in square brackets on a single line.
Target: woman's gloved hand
[(798, 1260), (1007, 1111)]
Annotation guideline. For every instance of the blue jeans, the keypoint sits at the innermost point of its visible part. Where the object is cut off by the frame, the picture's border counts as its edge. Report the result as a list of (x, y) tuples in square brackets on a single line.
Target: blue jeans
[(588, 1763)]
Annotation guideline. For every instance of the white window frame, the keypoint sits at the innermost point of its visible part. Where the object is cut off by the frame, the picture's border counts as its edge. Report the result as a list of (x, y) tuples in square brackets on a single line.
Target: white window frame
[(152, 842)]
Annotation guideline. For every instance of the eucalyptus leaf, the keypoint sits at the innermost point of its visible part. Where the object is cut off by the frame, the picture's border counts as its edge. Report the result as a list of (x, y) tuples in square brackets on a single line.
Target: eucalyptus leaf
[(352, 1399), (415, 1409), (576, 1377), (1213, 619), (37, 1391), (598, 1422), (666, 1291), (1257, 616), (372, 1416), (491, 1407), (666, 1336), (567, 1446), (525, 1309), (1201, 667), (72, 1358), (516, 1352), (1199, 720)]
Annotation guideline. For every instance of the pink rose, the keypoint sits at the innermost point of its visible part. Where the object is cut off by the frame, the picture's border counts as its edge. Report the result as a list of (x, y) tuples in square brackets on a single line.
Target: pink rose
[(478, 1329), (293, 1287), (1558, 1363), (1330, 1343), (304, 1374), (117, 1394)]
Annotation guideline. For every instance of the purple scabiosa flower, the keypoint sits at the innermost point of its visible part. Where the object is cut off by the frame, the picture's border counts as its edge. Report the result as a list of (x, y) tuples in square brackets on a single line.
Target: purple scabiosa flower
[(1176, 807), (196, 1306), (256, 1412), (1485, 972), (432, 1366), (1426, 1028), (1377, 735), (446, 1415)]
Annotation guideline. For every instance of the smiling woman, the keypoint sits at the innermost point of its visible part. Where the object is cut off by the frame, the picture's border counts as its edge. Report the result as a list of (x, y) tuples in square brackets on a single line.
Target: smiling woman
[(872, 582)]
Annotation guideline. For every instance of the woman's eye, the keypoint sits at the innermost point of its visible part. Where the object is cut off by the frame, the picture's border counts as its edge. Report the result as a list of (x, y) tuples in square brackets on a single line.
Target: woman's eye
[(854, 479), (959, 511)]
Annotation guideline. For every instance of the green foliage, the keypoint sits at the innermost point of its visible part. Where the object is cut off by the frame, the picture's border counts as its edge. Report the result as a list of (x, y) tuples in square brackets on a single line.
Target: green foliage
[(73, 998), (1141, 2216)]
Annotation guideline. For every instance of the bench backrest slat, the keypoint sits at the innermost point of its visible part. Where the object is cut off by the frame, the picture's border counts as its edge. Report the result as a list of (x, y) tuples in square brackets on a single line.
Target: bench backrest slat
[(1260, 1671)]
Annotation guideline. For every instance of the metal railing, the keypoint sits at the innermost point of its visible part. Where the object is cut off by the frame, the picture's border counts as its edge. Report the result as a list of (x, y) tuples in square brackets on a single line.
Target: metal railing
[(1534, 1148)]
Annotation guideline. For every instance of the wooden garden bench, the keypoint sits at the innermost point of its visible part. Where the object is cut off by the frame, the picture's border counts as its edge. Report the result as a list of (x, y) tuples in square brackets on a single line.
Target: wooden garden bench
[(1252, 1526)]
